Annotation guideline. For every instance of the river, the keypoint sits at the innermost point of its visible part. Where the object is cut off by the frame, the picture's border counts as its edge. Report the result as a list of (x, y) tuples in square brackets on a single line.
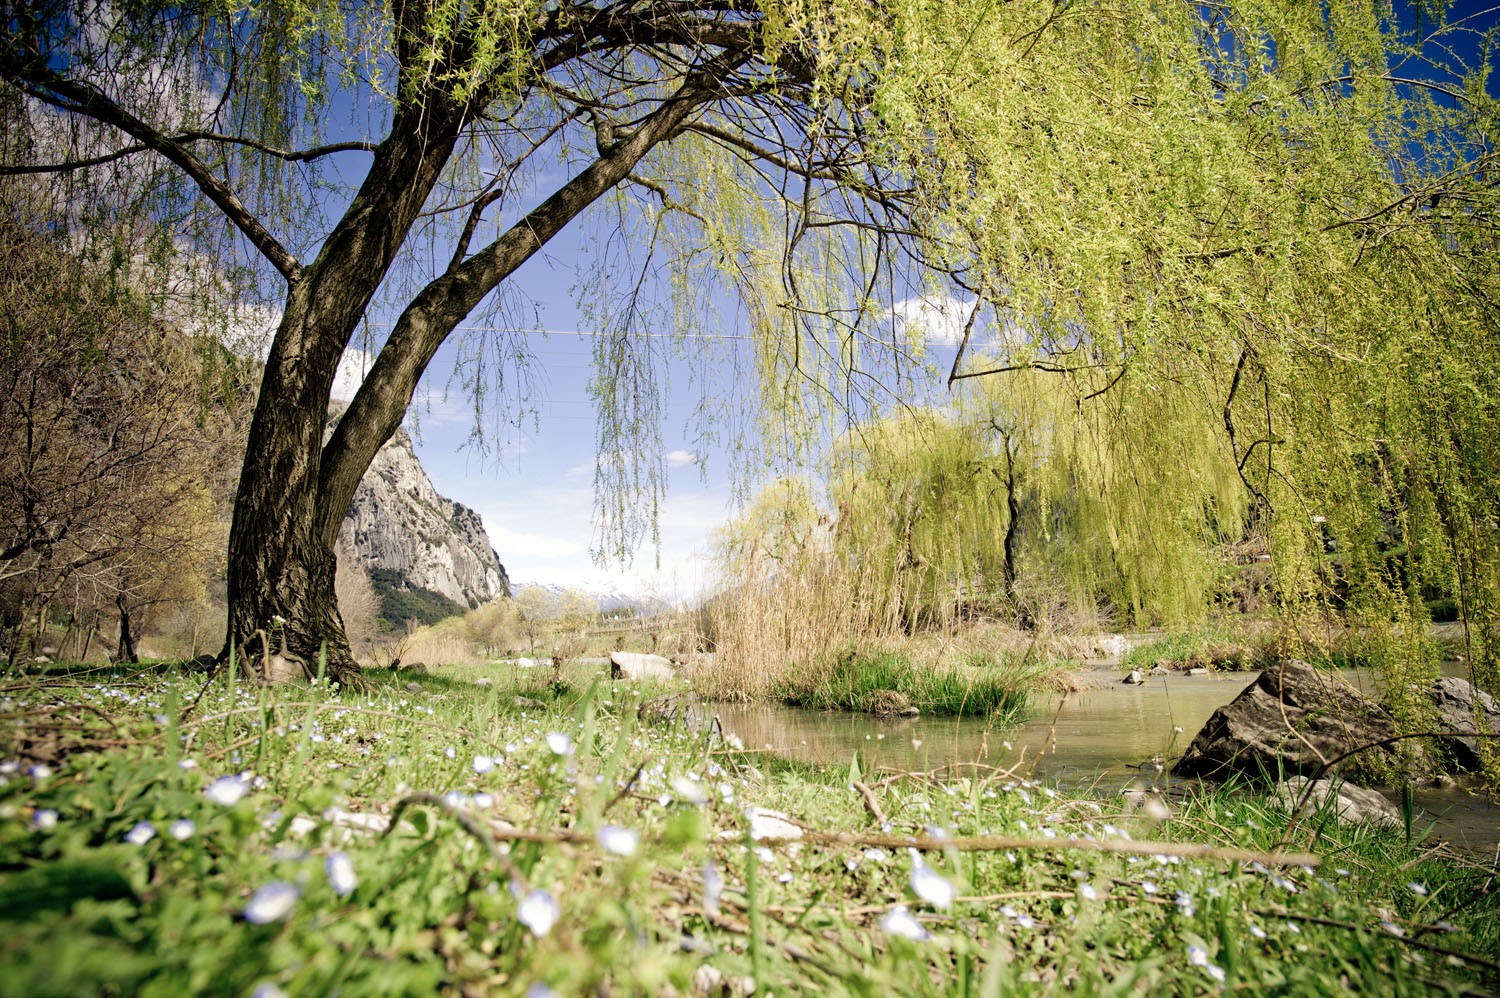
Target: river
[(1109, 738)]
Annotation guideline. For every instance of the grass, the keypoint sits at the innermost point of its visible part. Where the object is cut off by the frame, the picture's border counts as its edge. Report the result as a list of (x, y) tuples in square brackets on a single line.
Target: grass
[(1205, 648), (885, 682), (570, 849)]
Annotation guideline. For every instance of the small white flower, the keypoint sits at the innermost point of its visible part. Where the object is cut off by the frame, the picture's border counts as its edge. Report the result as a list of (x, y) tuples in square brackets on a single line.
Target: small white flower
[(191, 764), (900, 922), (1393, 929), (227, 790), (1198, 956), (272, 903), (40, 771), (713, 887), (538, 912), (181, 829), (1257, 932), (44, 819), (1418, 889), (1087, 892), (451, 752), (689, 790), (142, 833), (877, 855), (559, 743), (1148, 887), (341, 875), (620, 841), (1025, 921), (483, 800), (1215, 971), (540, 990), (930, 886), (483, 764), (265, 989)]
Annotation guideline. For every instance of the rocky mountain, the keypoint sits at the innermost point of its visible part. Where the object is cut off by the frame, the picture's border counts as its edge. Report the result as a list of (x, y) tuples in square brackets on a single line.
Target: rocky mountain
[(410, 537)]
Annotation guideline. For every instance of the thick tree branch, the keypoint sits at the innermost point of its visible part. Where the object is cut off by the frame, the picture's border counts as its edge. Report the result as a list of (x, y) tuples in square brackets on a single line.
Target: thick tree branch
[(82, 98), (383, 398)]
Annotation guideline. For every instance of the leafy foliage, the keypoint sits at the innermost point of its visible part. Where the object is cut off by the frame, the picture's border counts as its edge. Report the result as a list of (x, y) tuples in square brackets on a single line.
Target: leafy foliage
[(400, 601)]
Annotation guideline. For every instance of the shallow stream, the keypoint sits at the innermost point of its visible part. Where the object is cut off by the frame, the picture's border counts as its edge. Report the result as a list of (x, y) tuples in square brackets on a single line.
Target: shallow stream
[(1111, 738)]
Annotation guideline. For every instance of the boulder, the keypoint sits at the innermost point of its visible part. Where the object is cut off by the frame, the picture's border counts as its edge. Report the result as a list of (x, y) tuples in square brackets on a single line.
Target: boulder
[(638, 665), (1350, 804), (1135, 677), (1290, 721), (1459, 705)]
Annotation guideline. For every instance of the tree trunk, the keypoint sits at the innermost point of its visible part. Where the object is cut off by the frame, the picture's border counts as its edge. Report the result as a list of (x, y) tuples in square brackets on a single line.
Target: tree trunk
[(279, 566), (293, 490), (125, 649)]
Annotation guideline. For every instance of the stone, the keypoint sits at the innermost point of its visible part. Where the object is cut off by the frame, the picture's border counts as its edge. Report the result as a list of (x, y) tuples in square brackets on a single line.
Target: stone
[(484, 681), (1350, 804), (1455, 700), (639, 665), (399, 523), (1290, 721), (886, 703), (1135, 677)]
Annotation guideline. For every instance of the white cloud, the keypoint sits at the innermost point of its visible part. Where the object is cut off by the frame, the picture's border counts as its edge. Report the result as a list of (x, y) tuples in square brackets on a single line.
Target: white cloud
[(543, 536), (939, 320), (681, 458)]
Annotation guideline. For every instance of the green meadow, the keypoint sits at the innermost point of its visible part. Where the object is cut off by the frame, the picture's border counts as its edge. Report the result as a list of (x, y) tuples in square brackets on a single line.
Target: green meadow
[(167, 833)]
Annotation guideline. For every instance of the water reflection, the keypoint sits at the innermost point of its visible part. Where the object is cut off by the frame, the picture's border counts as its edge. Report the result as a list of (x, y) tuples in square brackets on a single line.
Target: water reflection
[(1110, 738)]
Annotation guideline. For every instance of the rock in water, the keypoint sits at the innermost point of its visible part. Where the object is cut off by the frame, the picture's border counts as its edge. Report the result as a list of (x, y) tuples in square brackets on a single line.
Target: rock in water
[(1289, 722), (1352, 805), (1455, 699)]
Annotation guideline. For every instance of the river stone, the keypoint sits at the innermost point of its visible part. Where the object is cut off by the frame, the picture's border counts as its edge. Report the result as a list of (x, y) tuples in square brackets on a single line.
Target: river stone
[(1352, 805), (1455, 699), (638, 665), (1289, 722)]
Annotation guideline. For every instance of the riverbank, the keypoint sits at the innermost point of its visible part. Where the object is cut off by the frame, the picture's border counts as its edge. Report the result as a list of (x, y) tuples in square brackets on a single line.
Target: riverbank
[(167, 835)]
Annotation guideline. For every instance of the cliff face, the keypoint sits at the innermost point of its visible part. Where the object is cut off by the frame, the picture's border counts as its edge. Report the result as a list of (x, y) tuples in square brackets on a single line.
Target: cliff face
[(399, 523)]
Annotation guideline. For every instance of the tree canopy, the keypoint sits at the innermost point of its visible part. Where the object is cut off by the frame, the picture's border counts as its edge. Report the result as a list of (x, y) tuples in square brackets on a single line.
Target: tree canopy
[(1280, 214)]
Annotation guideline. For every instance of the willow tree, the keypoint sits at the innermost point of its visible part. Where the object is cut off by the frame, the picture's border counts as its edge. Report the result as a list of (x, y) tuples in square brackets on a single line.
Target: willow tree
[(1282, 190)]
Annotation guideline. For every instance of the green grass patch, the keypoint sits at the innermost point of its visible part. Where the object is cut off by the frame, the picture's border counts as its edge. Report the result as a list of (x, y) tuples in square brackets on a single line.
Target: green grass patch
[(1201, 649), (160, 835), (887, 682)]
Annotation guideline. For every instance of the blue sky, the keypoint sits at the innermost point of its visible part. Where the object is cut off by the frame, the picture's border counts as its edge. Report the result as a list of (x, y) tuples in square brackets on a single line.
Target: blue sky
[(535, 487)]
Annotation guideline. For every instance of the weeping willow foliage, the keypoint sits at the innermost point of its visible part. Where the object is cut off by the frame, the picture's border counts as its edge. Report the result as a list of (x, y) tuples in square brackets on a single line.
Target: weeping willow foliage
[(1230, 267), (1253, 245)]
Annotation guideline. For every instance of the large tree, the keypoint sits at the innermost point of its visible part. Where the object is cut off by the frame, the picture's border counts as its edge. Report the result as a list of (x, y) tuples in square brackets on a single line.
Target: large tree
[(1267, 195)]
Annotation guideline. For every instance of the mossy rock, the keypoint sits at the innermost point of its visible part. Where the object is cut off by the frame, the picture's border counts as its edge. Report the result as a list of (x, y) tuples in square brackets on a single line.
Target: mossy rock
[(886, 703)]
